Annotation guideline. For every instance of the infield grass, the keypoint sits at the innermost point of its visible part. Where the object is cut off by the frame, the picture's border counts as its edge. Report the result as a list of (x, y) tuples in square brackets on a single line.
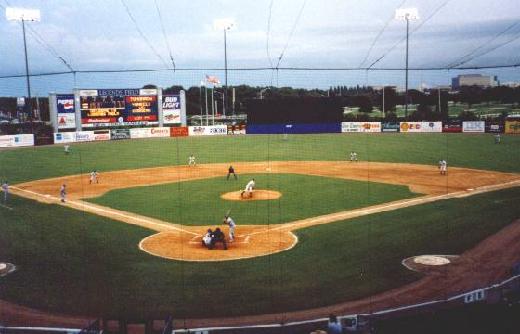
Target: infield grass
[(199, 203), (461, 150), (76, 263)]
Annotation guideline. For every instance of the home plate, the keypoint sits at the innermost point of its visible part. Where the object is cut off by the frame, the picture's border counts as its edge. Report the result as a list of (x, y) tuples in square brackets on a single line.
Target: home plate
[(268, 169), (431, 260), (470, 189), (47, 195)]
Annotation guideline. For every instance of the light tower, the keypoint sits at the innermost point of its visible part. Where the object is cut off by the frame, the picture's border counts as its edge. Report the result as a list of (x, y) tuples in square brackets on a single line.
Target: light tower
[(225, 25), (406, 14), (24, 14)]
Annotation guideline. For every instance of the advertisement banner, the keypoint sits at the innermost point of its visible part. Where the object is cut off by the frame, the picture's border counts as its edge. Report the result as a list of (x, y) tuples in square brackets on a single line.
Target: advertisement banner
[(512, 127), (431, 126), (410, 126), (65, 111), (17, 140), (474, 126), (159, 132), (64, 137), (119, 134), (453, 127), (82, 136), (494, 127), (118, 107), (350, 127), (179, 131), (171, 107), (360, 127), (101, 135), (139, 133), (212, 130), (236, 129), (390, 127)]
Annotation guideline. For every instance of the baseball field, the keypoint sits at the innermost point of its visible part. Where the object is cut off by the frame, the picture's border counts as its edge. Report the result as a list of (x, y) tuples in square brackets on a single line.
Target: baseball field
[(329, 235)]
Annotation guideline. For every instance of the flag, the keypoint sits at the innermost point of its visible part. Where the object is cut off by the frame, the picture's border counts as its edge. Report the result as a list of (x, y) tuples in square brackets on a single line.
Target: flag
[(212, 79)]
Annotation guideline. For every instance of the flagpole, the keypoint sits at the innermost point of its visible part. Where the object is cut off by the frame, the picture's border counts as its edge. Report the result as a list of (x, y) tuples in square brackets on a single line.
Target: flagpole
[(213, 104), (206, 104)]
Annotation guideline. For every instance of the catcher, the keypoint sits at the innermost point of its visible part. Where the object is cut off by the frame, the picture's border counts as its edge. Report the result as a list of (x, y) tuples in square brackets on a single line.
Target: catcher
[(248, 191)]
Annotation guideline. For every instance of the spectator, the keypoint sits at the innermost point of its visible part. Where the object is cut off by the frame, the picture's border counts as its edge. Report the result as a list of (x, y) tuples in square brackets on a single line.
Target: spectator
[(334, 326)]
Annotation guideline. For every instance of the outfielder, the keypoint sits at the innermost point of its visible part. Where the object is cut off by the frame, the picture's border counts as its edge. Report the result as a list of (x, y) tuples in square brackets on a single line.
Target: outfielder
[(249, 189), (191, 161), (231, 223), (353, 156)]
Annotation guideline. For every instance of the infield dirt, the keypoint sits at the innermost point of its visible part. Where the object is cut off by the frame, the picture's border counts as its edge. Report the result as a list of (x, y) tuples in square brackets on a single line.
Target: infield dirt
[(180, 242)]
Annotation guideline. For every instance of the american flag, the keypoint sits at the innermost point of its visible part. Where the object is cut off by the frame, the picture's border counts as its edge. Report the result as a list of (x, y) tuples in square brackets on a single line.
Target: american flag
[(212, 79)]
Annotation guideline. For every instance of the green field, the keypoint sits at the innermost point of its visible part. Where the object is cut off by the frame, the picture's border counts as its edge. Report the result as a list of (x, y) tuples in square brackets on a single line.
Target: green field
[(78, 263), (72, 262), (199, 202)]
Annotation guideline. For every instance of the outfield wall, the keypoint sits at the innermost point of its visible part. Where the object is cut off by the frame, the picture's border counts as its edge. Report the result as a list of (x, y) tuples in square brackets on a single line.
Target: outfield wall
[(508, 127)]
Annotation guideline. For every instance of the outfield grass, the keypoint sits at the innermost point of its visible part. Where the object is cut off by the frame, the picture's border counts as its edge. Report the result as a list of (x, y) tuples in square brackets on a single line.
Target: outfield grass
[(462, 150), (199, 203), (75, 263)]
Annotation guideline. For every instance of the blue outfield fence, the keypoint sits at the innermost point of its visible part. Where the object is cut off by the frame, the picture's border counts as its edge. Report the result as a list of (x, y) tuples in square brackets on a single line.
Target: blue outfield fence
[(293, 128)]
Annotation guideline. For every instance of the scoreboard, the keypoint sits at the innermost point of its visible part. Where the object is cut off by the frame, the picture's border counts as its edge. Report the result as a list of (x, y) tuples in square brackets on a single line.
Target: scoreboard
[(118, 107)]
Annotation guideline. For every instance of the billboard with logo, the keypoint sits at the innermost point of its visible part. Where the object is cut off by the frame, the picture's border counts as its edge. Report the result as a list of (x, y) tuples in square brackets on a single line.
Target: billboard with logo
[(17, 140), (420, 126), (495, 127), (360, 127), (212, 130), (512, 127), (116, 107), (474, 126), (66, 113), (171, 107)]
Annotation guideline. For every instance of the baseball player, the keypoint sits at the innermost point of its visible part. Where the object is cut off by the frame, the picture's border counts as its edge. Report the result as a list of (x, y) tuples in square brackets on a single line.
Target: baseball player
[(207, 239), (191, 161), (353, 156), (249, 189), (66, 149), (5, 189), (231, 170), (231, 223), (497, 138), (443, 167), (63, 193), (93, 177)]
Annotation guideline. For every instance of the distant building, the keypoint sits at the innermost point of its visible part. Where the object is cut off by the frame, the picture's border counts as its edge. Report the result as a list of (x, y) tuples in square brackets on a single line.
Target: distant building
[(474, 80)]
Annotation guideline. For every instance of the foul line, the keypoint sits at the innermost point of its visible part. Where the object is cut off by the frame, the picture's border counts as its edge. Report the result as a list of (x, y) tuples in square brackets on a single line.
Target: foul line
[(6, 207), (81, 204)]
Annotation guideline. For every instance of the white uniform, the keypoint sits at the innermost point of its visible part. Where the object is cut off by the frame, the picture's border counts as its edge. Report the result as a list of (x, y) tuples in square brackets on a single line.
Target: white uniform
[(191, 160), (207, 239), (353, 156), (231, 224), (250, 186), (444, 166), (63, 193), (93, 177), (5, 189)]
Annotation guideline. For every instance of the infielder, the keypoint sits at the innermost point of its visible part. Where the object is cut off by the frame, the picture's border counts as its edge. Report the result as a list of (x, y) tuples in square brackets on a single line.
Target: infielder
[(93, 177), (191, 161), (249, 189), (443, 167), (231, 223), (5, 189), (63, 193)]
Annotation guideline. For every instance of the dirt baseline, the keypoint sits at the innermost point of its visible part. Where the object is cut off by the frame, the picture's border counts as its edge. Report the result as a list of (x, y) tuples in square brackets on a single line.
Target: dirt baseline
[(183, 242)]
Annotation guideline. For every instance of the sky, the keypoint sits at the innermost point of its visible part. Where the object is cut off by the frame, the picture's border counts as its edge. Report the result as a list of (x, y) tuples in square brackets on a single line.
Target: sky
[(102, 35)]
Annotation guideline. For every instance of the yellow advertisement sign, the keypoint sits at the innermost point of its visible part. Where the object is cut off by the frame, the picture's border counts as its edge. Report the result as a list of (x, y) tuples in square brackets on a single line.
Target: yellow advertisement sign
[(512, 127)]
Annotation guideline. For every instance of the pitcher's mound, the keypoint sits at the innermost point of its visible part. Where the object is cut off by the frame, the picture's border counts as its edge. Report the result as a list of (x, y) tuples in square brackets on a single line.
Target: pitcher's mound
[(258, 195)]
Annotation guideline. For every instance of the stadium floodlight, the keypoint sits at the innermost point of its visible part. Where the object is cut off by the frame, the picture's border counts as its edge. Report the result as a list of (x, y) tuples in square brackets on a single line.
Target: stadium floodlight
[(406, 14), (225, 25), (24, 14)]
